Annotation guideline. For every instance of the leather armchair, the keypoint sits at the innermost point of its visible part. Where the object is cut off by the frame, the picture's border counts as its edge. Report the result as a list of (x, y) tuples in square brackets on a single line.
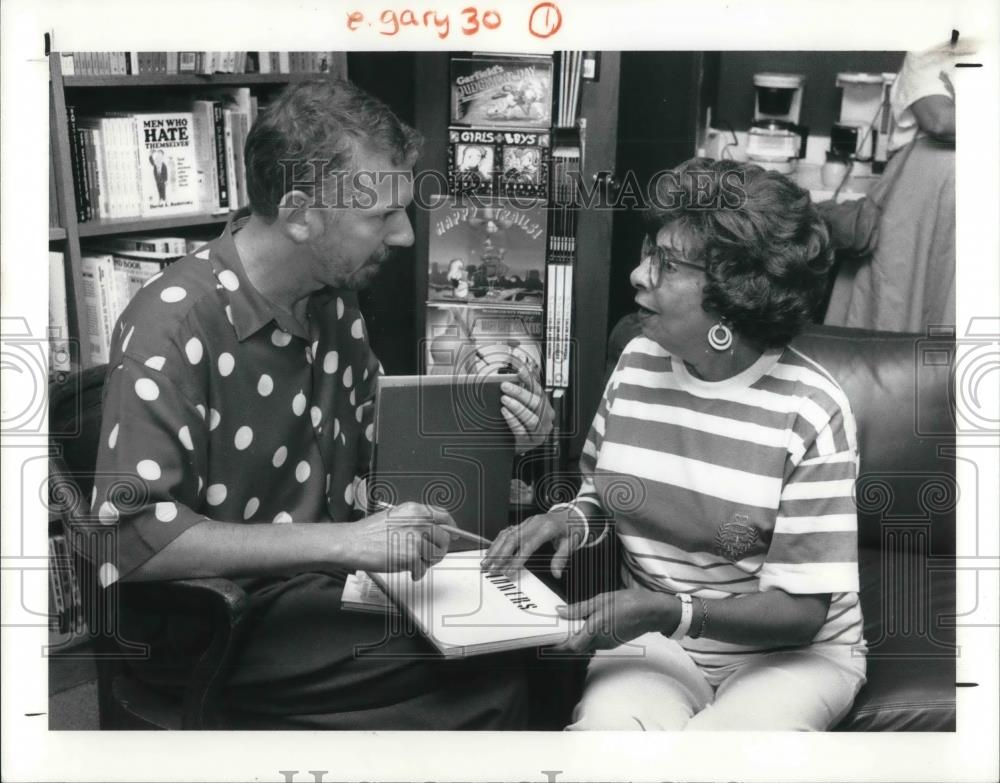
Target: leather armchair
[(898, 386), (214, 609)]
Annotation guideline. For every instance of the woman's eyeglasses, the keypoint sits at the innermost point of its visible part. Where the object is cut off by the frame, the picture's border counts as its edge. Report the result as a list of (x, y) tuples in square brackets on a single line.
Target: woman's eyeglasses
[(662, 260)]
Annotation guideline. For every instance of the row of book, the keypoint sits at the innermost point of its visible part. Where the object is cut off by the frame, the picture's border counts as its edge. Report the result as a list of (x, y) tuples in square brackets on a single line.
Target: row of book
[(112, 272), (205, 63), (65, 599), (167, 163)]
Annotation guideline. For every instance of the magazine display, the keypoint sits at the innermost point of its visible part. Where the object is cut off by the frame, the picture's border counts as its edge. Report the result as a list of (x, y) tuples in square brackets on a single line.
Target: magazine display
[(493, 162)]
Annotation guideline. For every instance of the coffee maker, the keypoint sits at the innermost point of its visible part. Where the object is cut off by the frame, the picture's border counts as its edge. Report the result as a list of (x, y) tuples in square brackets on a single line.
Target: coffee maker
[(862, 131), (776, 140)]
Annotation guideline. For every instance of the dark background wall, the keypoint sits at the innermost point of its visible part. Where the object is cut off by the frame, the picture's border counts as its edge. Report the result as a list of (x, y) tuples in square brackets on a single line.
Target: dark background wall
[(734, 96)]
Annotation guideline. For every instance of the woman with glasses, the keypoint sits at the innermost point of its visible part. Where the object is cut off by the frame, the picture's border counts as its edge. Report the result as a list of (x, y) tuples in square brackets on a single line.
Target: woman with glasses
[(724, 460)]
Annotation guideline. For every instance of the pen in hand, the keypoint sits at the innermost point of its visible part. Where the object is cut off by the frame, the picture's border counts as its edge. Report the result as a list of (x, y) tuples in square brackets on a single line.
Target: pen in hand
[(457, 532)]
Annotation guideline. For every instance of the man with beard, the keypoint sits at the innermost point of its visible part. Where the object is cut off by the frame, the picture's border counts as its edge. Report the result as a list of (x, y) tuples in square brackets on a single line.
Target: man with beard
[(240, 390)]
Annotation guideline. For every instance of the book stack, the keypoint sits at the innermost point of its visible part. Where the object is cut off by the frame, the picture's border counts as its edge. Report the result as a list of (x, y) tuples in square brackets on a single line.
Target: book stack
[(113, 272), (206, 63), (59, 353), (486, 275), (167, 163)]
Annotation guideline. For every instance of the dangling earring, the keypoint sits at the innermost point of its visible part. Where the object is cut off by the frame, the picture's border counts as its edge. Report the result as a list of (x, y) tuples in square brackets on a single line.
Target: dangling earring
[(720, 337)]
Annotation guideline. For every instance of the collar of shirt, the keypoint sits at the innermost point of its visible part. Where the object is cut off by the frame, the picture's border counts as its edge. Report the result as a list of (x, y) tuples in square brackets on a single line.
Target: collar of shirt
[(251, 311)]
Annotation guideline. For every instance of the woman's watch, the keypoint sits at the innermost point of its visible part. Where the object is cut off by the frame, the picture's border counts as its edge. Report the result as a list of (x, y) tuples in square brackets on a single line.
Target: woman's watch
[(685, 622)]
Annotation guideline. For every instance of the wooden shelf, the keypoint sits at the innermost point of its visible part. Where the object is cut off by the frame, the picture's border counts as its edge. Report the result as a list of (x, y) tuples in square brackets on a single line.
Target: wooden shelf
[(99, 228), (185, 79), (56, 233)]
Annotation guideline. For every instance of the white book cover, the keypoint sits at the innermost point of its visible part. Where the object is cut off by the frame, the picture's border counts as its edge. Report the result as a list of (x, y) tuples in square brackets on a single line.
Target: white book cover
[(58, 315), (204, 144), (227, 115), (99, 298), (168, 169), (131, 273), (463, 610)]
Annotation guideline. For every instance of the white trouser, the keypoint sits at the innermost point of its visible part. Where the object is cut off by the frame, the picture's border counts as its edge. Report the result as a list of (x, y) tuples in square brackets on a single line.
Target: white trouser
[(653, 684)]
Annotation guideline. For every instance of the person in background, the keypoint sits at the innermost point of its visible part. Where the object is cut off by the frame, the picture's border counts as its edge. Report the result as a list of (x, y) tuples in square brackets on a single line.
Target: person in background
[(908, 282), (240, 392), (724, 459)]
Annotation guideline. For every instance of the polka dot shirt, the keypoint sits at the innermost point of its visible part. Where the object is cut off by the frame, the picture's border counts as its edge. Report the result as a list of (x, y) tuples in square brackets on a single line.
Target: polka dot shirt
[(220, 406)]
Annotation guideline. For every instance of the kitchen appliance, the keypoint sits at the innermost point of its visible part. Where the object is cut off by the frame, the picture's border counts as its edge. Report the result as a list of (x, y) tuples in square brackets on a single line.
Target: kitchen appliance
[(776, 140), (864, 123)]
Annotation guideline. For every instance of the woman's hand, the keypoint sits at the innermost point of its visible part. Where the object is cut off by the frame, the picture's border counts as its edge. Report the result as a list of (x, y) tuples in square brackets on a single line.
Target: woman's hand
[(612, 619), (514, 545), (405, 538), (527, 411)]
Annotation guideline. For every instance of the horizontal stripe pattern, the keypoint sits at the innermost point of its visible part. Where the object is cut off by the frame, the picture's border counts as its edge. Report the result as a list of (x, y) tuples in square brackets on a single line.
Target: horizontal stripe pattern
[(729, 489)]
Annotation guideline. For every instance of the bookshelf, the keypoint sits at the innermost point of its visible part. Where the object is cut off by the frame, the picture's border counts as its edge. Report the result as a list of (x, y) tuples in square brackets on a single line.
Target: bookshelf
[(99, 93)]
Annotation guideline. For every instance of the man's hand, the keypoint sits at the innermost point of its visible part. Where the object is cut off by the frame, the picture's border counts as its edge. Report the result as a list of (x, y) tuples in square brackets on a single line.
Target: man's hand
[(527, 411), (611, 619), (405, 538)]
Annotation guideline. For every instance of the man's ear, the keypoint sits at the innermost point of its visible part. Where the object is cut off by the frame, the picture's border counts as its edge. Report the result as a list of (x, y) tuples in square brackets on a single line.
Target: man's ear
[(297, 221)]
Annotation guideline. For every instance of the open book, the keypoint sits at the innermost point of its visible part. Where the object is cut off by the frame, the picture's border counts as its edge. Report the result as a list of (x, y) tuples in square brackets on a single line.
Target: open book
[(463, 610)]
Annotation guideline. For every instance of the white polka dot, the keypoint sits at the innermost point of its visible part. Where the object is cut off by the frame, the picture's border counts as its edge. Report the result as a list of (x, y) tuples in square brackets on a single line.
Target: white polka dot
[(328, 478), (194, 350), (309, 355), (349, 494), (340, 308), (359, 414), (244, 437), (316, 415), (202, 254), (153, 279), (128, 338), (280, 338), (156, 362), (148, 469), (229, 313), (213, 418), (299, 404), (173, 294), (226, 364), (113, 437), (184, 436), (348, 377), (229, 280), (357, 330), (166, 512), (364, 375), (216, 494), (302, 471), (201, 410), (108, 514), (93, 496), (279, 457), (282, 518), (107, 575), (331, 362), (370, 431), (265, 385), (353, 397), (336, 427), (315, 348), (147, 389), (251, 508)]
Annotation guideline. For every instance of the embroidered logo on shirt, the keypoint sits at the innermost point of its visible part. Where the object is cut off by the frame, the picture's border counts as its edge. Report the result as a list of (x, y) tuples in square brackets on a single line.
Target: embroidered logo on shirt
[(734, 539)]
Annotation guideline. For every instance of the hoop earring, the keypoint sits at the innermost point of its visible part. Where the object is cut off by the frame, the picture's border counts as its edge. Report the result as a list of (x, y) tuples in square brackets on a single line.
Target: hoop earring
[(720, 337)]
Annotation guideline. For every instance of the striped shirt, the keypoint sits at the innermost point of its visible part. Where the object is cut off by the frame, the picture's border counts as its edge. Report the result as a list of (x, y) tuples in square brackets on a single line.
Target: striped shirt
[(729, 488)]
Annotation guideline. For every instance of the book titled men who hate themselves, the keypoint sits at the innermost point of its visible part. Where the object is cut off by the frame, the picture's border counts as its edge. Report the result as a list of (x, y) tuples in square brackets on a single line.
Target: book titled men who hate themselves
[(167, 163)]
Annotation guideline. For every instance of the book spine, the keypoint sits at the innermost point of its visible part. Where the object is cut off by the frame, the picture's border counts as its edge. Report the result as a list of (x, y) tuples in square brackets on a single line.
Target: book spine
[(60, 622), (93, 174), (187, 62), (94, 301), (172, 62), (204, 135), (74, 157), (240, 125), (101, 166), (227, 115), (220, 154)]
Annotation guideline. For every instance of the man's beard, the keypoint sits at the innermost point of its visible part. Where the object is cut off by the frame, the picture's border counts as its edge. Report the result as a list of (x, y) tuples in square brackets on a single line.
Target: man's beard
[(363, 276)]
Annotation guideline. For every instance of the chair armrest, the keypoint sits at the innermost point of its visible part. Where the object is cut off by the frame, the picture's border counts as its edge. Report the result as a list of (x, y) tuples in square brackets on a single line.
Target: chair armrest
[(226, 603)]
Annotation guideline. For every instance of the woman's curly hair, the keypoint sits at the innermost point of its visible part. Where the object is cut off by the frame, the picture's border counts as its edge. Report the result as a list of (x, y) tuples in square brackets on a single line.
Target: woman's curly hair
[(765, 248)]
